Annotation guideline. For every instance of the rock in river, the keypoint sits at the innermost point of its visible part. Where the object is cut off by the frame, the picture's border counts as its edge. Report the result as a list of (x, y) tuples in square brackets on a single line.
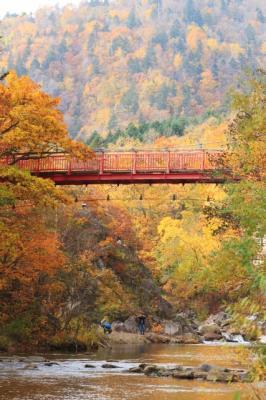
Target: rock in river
[(135, 370), (185, 374), (219, 376), (50, 363), (109, 366), (204, 372), (153, 370)]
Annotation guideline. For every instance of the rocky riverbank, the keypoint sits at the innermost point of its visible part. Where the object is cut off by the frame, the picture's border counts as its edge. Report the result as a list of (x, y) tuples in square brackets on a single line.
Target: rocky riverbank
[(183, 328), (186, 329)]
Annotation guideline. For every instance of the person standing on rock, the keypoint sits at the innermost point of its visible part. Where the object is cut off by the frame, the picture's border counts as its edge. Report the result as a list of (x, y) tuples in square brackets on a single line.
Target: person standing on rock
[(141, 323)]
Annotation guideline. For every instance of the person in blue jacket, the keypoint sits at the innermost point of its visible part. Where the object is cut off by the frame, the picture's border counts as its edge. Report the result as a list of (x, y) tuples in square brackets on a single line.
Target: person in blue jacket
[(106, 325)]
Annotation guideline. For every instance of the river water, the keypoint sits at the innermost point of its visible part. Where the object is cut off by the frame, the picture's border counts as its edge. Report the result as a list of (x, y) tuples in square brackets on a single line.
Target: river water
[(70, 380)]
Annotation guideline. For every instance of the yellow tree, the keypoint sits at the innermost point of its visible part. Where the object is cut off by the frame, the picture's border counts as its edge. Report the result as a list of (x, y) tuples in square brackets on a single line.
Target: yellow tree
[(30, 121)]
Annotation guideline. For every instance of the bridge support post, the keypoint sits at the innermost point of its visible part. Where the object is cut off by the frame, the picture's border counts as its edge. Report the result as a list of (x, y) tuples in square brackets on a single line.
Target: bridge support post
[(102, 163), (203, 160), (182, 163), (168, 163), (134, 162), (69, 166)]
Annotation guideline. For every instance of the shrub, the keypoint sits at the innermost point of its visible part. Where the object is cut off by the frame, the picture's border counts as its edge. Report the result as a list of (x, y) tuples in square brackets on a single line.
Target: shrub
[(93, 337), (5, 343)]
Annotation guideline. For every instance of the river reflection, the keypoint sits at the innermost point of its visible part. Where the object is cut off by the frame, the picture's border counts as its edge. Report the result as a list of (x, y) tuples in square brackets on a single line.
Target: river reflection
[(70, 380)]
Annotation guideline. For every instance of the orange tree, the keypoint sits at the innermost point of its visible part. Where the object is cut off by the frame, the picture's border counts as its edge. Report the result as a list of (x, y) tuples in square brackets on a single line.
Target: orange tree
[(31, 125)]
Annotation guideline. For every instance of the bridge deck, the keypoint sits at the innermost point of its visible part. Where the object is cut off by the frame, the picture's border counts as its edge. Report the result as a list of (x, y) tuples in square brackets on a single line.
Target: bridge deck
[(127, 167)]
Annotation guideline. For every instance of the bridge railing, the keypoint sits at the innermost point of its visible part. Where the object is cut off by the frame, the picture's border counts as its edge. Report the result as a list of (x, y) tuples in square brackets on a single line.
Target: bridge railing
[(124, 162)]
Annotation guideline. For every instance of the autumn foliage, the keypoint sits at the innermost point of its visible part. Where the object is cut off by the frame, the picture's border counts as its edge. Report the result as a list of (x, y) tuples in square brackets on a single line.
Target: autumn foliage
[(130, 78), (31, 122), (120, 62), (30, 250)]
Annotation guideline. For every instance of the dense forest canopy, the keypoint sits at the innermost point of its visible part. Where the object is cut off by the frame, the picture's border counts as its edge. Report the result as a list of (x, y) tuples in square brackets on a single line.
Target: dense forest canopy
[(121, 62)]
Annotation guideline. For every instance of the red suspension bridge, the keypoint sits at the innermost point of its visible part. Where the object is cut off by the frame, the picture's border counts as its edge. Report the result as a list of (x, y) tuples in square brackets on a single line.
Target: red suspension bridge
[(127, 167)]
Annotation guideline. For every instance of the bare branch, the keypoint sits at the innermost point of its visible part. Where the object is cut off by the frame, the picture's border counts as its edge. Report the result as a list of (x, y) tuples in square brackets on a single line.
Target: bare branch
[(14, 125), (3, 76)]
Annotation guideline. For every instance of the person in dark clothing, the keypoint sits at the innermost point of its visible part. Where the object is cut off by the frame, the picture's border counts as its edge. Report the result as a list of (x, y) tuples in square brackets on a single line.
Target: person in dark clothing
[(141, 323)]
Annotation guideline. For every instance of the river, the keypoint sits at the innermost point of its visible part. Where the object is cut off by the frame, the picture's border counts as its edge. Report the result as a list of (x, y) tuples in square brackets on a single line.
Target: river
[(70, 380)]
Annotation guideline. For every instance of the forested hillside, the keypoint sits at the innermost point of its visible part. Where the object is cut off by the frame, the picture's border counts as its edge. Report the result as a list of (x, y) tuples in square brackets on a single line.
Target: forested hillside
[(121, 62)]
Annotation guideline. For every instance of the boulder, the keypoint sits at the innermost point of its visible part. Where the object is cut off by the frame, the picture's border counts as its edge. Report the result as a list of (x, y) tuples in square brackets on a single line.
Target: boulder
[(218, 318), (118, 326), (154, 338), (262, 327), (205, 367), (209, 328), (185, 374), (262, 339), (232, 330), (212, 336), (216, 375), (165, 373), (153, 370), (50, 363), (226, 323), (89, 366), (131, 325), (109, 366), (142, 365), (243, 377), (171, 328), (177, 368), (135, 370), (200, 374), (186, 322)]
